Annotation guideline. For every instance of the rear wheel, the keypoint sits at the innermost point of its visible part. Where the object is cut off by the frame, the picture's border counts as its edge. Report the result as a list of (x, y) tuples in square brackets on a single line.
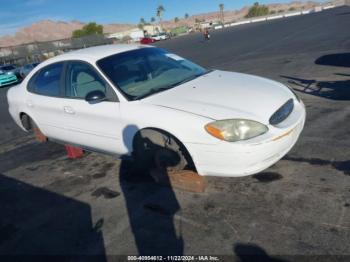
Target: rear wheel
[(30, 125), (26, 122)]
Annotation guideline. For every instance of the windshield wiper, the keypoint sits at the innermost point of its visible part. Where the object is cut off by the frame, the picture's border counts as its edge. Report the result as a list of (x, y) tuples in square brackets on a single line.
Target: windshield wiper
[(191, 78), (186, 80), (153, 91)]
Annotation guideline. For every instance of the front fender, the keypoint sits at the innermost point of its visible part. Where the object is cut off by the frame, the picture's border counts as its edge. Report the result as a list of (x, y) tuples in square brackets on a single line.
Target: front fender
[(187, 127)]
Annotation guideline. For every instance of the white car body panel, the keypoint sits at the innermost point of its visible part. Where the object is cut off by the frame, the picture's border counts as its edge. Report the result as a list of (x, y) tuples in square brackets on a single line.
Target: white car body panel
[(223, 95), (160, 37), (182, 111), (156, 37)]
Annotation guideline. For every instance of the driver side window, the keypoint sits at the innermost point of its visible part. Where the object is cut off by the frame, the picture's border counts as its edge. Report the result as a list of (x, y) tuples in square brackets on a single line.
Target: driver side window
[(82, 79)]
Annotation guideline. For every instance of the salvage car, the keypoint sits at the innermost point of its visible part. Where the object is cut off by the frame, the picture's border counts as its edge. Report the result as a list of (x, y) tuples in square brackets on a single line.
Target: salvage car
[(164, 110), (146, 40), (160, 36), (24, 71), (7, 75), (11, 68)]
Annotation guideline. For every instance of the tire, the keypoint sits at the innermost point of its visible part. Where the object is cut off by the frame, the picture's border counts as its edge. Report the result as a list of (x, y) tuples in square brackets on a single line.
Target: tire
[(26, 122), (156, 149), (30, 125)]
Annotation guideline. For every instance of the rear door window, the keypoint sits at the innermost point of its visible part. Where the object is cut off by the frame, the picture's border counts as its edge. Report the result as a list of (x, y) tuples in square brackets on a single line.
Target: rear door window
[(48, 81)]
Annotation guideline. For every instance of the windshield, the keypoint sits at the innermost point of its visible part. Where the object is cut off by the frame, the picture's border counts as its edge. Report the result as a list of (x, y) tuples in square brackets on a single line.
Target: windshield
[(143, 72)]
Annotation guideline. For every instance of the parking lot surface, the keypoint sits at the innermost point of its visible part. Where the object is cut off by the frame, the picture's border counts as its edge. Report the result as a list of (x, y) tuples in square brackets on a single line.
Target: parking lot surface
[(50, 204)]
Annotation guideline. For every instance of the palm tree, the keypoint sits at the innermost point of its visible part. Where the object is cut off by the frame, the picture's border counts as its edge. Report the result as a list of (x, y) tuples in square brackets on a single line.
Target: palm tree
[(152, 22), (196, 23), (141, 23), (186, 16), (221, 6), (160, 11), (176, 19)]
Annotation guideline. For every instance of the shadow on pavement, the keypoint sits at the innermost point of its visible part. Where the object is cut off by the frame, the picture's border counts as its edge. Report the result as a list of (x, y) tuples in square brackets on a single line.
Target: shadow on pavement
[(345, 13), (252, 252), (341, 59), (38, 222), (29, 153), (341, 74), (151, 209), (335, 90)]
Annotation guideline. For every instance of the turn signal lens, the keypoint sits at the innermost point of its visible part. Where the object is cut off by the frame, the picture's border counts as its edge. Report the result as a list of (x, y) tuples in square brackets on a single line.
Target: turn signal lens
[(214, 132), (233, 130)]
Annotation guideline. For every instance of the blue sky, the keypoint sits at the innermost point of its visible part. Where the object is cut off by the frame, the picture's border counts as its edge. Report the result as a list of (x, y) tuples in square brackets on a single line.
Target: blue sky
[(15, 14)]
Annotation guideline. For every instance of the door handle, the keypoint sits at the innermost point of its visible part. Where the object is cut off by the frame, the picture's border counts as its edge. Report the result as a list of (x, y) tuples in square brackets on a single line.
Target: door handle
[(68, 110)]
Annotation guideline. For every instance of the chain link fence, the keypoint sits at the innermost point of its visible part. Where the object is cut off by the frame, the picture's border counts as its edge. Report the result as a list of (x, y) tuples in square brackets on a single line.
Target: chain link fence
[(40, 51)]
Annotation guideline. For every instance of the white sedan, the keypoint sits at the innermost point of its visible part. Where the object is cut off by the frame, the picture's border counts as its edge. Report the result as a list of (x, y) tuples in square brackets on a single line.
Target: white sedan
[(162, 109), (160, 36)]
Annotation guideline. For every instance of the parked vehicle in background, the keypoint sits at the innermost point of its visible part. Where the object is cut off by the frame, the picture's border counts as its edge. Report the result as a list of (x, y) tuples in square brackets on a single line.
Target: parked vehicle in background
[(160, 36), (8, 75), (11, 68), (24, 70), (147, 40), (164, 36), (167, 112)]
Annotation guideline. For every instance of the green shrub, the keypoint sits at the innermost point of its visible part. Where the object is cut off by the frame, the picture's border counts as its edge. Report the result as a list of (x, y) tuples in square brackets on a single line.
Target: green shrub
[(291, 9), (179, 30), (89, 29), (257, 10)]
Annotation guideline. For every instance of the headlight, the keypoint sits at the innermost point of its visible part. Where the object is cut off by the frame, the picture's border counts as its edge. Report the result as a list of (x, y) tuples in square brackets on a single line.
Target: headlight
[(232, 130), (9, 73)]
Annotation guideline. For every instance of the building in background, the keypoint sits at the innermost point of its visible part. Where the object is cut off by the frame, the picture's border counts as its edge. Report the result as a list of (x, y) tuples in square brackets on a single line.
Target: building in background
[(134, 35)]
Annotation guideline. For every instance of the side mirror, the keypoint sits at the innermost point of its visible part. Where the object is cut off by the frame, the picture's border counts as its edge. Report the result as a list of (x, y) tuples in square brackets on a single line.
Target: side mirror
[(96, 96)]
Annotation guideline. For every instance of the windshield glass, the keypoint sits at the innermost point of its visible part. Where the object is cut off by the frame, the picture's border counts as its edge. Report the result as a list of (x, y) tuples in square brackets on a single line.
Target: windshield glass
[(143, 72)]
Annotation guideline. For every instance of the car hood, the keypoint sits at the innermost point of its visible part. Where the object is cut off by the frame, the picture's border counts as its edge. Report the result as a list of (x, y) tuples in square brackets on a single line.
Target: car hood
[(226, 95)]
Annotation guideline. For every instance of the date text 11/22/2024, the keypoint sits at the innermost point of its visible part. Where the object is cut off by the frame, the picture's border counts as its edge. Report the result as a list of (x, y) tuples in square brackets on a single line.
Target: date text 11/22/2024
[(173, 258)]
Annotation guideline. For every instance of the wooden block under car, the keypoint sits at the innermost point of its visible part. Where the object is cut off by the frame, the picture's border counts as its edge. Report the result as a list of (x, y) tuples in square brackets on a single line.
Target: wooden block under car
[(39, 136), (185, 180)]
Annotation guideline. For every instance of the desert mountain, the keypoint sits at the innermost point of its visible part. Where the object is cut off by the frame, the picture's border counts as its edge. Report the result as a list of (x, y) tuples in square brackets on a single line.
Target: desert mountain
[(47, 30)]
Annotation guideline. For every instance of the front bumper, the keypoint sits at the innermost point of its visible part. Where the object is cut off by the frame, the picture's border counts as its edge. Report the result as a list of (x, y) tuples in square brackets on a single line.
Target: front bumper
[(250, 157)]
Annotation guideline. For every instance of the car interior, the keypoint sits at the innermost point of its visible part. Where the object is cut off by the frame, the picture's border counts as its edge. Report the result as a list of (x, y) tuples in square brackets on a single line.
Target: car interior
[(82, 81)]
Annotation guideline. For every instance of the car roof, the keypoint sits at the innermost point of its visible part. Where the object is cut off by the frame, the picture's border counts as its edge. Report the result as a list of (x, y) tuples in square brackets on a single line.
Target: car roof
[(92, 54)]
